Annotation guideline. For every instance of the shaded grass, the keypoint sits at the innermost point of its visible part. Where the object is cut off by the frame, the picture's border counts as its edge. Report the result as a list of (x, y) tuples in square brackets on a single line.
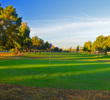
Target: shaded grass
[(67, 70)]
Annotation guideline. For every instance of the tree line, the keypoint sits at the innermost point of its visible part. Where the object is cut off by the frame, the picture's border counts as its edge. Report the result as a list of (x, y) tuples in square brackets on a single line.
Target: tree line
[(15, 34), (100, 45)]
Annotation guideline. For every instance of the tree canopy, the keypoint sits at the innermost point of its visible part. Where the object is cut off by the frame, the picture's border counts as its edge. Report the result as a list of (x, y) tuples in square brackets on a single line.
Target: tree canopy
[(9, 23), (87, 46), (101, 44)]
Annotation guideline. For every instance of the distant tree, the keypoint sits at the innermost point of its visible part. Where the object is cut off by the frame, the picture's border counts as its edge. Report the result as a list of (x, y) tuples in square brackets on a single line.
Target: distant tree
[(81, 49), (106, 46), (70, 49), (41, 44), (77, 48), (24, 36), (84, 49), (29, 44), (46, 45), (87, 46), (107, 42), (37, 43), (60, 50), (52, 48), (106, 49), (56, 49), (99, 43)]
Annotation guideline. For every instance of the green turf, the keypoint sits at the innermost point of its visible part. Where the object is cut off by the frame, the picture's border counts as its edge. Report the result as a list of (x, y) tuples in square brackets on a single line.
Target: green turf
[(65, 70)]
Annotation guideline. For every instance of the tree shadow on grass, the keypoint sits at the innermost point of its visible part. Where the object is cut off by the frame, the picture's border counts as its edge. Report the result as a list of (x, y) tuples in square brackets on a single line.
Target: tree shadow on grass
[(57, 76), (46, 60), (75, 71)]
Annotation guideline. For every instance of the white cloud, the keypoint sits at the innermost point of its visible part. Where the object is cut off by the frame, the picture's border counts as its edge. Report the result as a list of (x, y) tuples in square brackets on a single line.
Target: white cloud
[(73, 33)]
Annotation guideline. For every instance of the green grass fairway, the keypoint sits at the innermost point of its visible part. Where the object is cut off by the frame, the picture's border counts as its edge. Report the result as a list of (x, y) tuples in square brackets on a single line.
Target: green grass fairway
[(66, 70)]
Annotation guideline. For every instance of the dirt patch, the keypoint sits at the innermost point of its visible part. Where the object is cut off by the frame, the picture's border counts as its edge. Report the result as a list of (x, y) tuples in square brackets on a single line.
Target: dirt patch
[(11, 55), (7, 56), (15, 92)]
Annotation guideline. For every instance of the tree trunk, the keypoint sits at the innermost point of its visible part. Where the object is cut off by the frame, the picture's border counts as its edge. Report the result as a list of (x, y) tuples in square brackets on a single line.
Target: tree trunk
[(105, 53), (35, 51), (29, 50), (39, 51), (16, 51)]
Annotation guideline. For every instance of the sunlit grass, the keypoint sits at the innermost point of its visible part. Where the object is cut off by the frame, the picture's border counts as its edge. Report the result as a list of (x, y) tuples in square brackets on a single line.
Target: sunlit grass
[(49, 65), (66, 70)]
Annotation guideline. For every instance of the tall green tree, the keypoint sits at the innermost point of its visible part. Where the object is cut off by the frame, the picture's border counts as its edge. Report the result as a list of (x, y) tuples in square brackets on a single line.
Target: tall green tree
[(87, 46), (70, 49), (85, 49), (77, 48), (99, 43), (41, 44), (107, 45), (9, 23), (24, 36), (37, 43), (46, 45), (2, 40)]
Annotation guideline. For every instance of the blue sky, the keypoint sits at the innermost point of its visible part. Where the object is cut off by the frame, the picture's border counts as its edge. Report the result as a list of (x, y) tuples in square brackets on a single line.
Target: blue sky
[(64, 23)]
